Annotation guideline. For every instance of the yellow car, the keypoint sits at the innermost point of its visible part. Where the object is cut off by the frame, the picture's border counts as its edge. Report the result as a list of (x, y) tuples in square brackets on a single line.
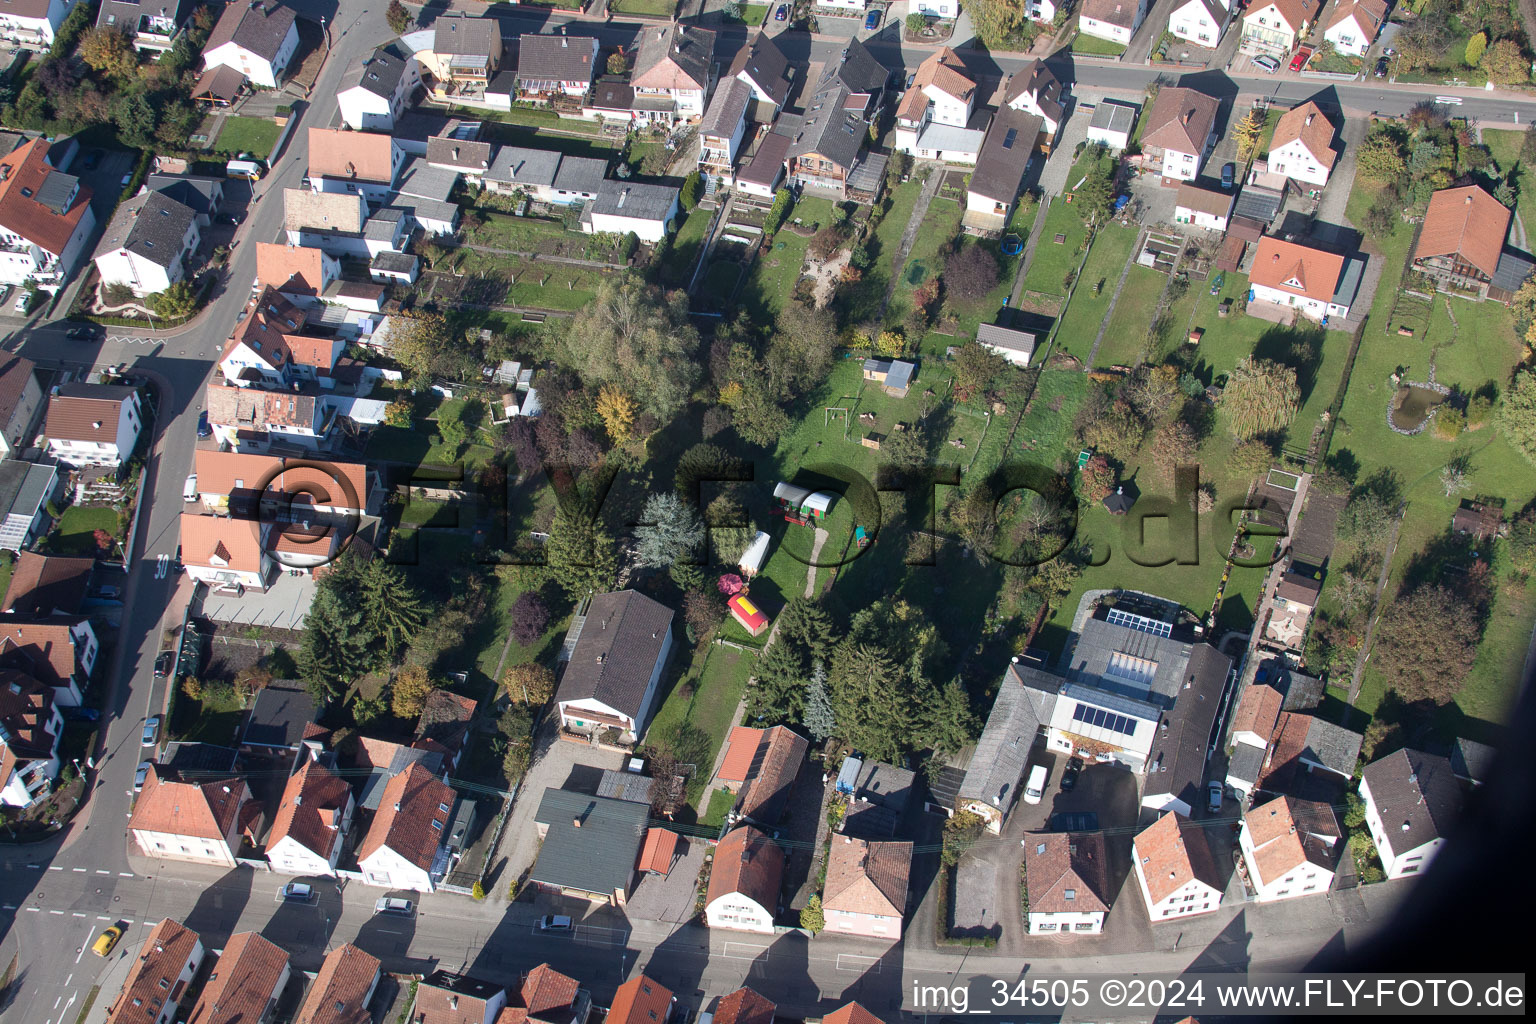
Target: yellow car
[(106, 940)]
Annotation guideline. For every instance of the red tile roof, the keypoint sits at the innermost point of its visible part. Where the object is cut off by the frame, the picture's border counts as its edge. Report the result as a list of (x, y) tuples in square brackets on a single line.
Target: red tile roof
[(412, 802), (152, 977), (853, 1013), (248, 976), (218, 542), (311, 810), (867, 878), (1287, 832), (205, 810), (546, 992), (86, 412), (341, 989), (43, 584), (744, 1006), (1307, 123), (660, 847), (1066, 873), (1296, 269), (1258, 710), (740, 749), (293, 269), (1180, 120), (1465, 222), (1369, 15), (355, 156), (1171, 852), (22, 173), (640, 1001), (42, 646), (749, 863), (302, 481)]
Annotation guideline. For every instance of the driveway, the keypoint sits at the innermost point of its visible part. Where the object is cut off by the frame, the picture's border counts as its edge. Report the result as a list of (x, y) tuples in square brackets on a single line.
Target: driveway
[(670, 897), (282, 606), (1053, 180), (556, 762), (1330, 209)]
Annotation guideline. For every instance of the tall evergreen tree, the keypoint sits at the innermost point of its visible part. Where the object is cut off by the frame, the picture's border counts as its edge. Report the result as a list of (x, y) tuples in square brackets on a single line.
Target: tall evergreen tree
[(670, 531), (335, 648), (819, 719), (804, 635), (392, 610), (580, 552), (870, 697)]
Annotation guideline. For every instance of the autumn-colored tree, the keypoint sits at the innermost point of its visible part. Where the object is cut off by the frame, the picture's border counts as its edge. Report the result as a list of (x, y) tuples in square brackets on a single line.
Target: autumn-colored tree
[(1475, 49), (617, 65), (1173, 445), (1261, 397), (730, 584), (890, 343), (108, 50), (1097, 478), (1505, 64), (531, 684), (1248, 131), (618, 411), (398, 16), (408, 693), (398, 413)]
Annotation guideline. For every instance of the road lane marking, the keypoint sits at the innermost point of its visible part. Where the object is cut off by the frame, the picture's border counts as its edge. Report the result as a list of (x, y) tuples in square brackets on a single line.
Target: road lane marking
[(54, 867), (102, 871), (33, 910), (59, 912), (8, 906), (77, 914), (78, 871), (125, 874), (102, 917), (868, 964), (746, 951), (68, 980)]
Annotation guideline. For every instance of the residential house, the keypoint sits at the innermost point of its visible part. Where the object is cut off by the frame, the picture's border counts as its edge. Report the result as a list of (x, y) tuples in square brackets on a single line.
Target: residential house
[(1290, 848), (622, 645), (863, 76), (1112, 123), (21, 398), (1295, 278), (1412, 801), (879, 797), (227, 554), (311, 824), (640, 1000), (1175, 869), (1354, 25), (443, 997), (826, 147), (1291, 608), (1018, 347), (1115, 20), (1302, 148), (220, 87), (298, 273), (152, 27), (942, 93), (26, 488), (394, 268), (1275, 27), (847, 6), (43, 585), (744, 882), (591, 845), (175, 819), (1177, 763), (1198, 21), (1180, 132), (339, 224), (468, 157), (281, 718), (443, 725), (385, 759), (674, 72), (1202, 207), (159, 976), (258, 351), (865, 892), (1308, 756), (624, 206), (203, 195), (1067, 878), (30, 727), (248, 420), (853, 1013), (465, 55), (1004, 158), (555, 65), (32, 23), (404, 846), (149, 244), (367, 163), (548, 997), (763, 171), (722, 129), (376, 89), (258, 39), (1461, 239), (545, 176), (1036, 90), (763, 66), (245, 984), (45, 218), (93, 424), (936, 8), (1043, 11), (1025, 701), (1476, 519), (744, 1006), (343, 989), (57, 650), (760, 767)]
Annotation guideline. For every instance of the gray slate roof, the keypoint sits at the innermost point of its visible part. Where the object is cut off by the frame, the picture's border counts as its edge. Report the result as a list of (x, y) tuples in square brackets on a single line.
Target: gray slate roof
[(1094, 658), (1332, 746), (125, 14), (378, 72), (394, 262), (382, 225), (195, 192), (151, 225), (766, 65), (858, 72), (1417, 796), (56, 191), (456, 154), (634, 199), (1111, 116), (598, 857), (279, 716), (1176, 767), (829, 129), (1260, 204), (1005, 153), (547, 58), (626, 786), (726, 109), (1006, 337), (1512, 269), (458, 36), (259, 28), (1246, 763), (1471, 760), (691, 49), (521, 166), (580, 174), (421, 180), (881, 796), (23, 486), (1039, 82), (1025, 699), (619, 643)]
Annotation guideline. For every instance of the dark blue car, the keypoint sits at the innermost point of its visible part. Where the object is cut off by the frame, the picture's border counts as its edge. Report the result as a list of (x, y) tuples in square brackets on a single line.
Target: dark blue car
[(203, 429), (873, 21)]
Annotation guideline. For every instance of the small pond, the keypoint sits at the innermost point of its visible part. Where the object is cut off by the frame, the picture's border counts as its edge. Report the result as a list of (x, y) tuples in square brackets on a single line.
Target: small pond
[(1412, 405)]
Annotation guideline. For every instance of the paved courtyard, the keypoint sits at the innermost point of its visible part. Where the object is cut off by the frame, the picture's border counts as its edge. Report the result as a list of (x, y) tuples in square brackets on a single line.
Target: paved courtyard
[(670, 897), (556, 762), (282, 606)]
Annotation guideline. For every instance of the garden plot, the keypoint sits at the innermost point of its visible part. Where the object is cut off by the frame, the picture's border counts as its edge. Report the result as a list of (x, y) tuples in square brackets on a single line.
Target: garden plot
[(1160, 251)]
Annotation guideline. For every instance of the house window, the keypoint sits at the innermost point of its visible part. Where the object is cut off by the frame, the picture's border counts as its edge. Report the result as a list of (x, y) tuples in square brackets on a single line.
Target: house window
[(1047, 926), (1085, 926)]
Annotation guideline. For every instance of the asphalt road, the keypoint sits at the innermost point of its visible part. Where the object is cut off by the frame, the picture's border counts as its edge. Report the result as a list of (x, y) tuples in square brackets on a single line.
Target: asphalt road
[(56, 896)]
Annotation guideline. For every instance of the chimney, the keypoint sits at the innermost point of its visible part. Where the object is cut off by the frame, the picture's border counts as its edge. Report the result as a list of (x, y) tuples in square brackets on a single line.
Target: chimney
[(1184, 118), (298, 801), (453, 1002), (1469, 198), (563, 44), (575, 823), (1405, 826), (397, 808), (1309, 119)]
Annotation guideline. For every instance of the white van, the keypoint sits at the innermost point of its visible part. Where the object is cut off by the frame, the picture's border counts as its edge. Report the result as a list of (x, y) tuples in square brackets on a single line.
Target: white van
[(189, 489), (1034, 789)]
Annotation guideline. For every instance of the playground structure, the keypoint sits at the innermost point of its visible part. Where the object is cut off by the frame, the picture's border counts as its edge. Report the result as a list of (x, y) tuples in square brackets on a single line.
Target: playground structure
[(801, 505)]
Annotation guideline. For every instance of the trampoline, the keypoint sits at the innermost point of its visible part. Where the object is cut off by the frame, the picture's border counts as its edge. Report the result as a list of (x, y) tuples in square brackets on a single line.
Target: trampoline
[(1010, 245)]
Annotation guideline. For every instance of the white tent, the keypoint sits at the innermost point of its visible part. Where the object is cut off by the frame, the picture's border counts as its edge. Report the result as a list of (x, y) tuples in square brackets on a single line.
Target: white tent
[(756, 554)]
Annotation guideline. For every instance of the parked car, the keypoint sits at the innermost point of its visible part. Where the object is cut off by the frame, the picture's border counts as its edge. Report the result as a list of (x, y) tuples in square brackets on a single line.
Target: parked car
[(189, 488), (911, 77), (106, 940), (1383, 66), (556, 923), (298, 892), (394, 905), (872, 21), (1300, 60), (1266, 62), (1034, 789), (203, 429), (165, 662), (82, 333), (151, 731), (1073, 770), (92, 159), (1228, 175), (782, 13), (1213, 795), (140, 774), (22, 301), (81, 714)]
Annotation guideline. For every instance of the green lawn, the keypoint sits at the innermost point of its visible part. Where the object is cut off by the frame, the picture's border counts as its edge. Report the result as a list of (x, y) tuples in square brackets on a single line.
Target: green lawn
[(697, 712), (254, 135), (1505, 147), (547, 136), (754, 14), (655, 8), (77, 526), (1054, 260), (6, 568), (540, 117), (864, 299), (1093, 45), (537, 284), (939, 226), (720, 804), (214, 719), (1080, 322), (1125, 342), (687, 241), (776, 269)]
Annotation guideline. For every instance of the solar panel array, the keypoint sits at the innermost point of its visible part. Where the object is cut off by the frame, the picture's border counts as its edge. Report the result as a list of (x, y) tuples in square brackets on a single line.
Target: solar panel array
[(1102, 719)]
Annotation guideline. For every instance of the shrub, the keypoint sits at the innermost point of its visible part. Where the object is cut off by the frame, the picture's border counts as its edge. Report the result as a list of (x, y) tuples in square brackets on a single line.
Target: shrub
[(477, 892)]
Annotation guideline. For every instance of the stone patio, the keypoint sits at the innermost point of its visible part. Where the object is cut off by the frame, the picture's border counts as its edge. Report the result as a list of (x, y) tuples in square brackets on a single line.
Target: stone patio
[(283, 606)]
